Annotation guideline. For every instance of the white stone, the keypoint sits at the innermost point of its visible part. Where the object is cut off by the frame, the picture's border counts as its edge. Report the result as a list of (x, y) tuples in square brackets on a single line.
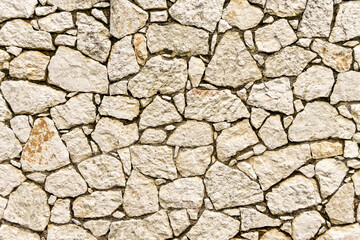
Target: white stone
[(56, 22), (232, 65), (330, 174), (202, 14), (71, 5), (92, 38), (152, 4), (72, 71), (19, 33), (102, 172), (65, 40), (240, 14), (111, 134), (97, 204), (285, 8), (351, 149), (29, 65), (306, 225), (78, 110), (170, 37), (215, 226), (274, 95), (272, 132), (356, 180), (44, 151), (193, 161), (316, 82), (118, 88), (346, 87), (122, 61), (158, 112), (196, 70), (126, 18), (153, 136), (77, 145), (170, 75), (319, 120), (274, 234), (141, 195), (251, 218), (5, 113), (45, 10), (235, 139), (10, 146), (154, 161), (9, 232), (179, 221), (10, 178), (258, 116), (121, 107), (99, 14), (21, 127), (326, 148), (290, 61), (140, 47), (273, 166), (316, 20), (66, 182), (293, 194), (68, 231), (228, 187), (27, 97), (348, 232), (273, 37), (60, 212), (98, 227), (28, 207), (16, 9), (182, 193)]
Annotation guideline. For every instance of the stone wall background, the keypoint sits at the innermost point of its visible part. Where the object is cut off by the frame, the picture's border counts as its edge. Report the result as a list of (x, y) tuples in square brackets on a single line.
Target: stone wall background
[(179, 119)]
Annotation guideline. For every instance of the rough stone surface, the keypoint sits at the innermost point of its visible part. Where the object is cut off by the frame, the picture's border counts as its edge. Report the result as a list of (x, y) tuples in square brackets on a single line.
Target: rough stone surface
[(68, 231), (29, 65), (326, 148), (10, 147), (9, 232), (346, 87), (119, 107), (77, 145), (56, 22), (251, 218), (285, 8), (193, 161), (10, 178), (272, 132), (16, 9), (70, 5), (306, 225), (348, 232)]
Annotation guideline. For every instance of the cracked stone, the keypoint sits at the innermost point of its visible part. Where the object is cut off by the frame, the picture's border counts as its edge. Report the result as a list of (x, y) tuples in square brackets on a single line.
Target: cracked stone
[(272, 132), (10, 146), (10, 178), (179, 221), (77, 145)]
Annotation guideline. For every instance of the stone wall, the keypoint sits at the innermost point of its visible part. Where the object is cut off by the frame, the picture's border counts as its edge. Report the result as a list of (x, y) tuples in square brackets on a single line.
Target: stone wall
[(179, 119)]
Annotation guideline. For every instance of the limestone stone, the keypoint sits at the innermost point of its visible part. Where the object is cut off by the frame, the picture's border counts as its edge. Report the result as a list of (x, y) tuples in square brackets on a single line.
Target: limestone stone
[(93, 37), (170, 37), (72, 71), (214, 106), (274, 95), (274, 234), (273, 37), (71, 5), (102, 172), (10, 178), (241, 14), (179, 221), (19, 33), (66, 182), (235, 139), (341, 207), (351, 149), (356, 180), (290, 61), (202, 14), (141, 195), (337, 57), (121, 107), (16, 9), (319, 120), (214, 225), (193, 161), (258, 116), (354, 112), (111, 134), (154, 161), (97, 204), (44, 151), (293, 194), (27, 97), (28, 207), (347, 24), (357, 54), (170, 75), (5, 113), (10, 146), (182, 193), (159, 112), (228, 187), (306, 225), (29, 65), (196, 70), (251, 218), (126, 18), (56, 22), (141, 52), (77, 145), (76, 111), (232, 65), (316, 20), (9, 232), (346, 87), (60, 212), (285, 8), (326, 148), (21, 127), (330, 174), (152, 4), (155, 226), (122, 61), (152, 136), (272, 132), (68, 232), (98, 227), (316, 82), (348, 232), (273, 166)]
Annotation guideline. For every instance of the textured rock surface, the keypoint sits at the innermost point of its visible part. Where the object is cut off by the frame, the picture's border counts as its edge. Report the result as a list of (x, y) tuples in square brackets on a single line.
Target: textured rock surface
[(29, 65)]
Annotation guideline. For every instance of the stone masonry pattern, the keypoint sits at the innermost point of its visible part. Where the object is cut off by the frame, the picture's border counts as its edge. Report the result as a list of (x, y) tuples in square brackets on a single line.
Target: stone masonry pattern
[(179, 119)]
